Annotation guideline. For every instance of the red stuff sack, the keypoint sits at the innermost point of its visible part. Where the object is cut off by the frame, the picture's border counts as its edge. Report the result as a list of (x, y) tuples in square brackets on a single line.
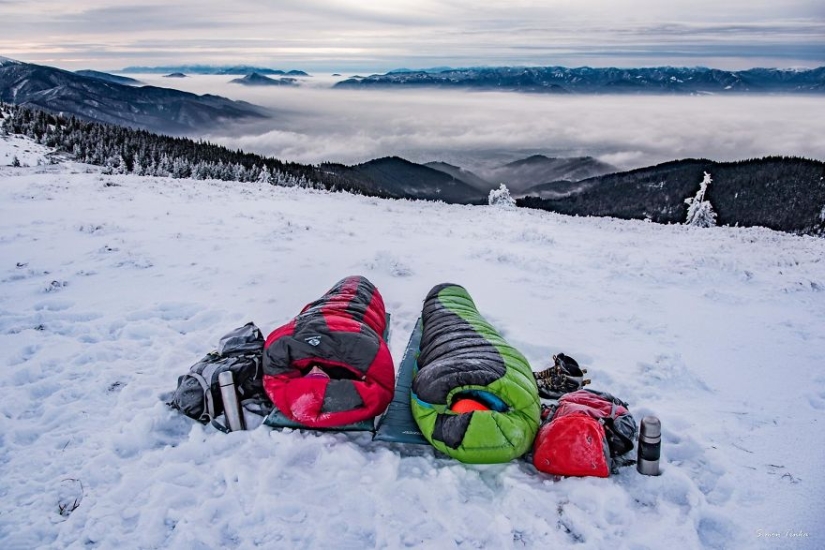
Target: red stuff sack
[(572, 445), (585, 435)]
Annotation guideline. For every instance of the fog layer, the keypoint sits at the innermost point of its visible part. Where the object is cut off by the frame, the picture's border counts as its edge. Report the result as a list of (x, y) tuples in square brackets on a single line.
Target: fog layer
[(313, 123)]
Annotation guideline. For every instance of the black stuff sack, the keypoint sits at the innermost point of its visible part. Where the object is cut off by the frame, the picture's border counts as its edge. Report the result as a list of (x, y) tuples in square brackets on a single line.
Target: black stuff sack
[(198, 394)]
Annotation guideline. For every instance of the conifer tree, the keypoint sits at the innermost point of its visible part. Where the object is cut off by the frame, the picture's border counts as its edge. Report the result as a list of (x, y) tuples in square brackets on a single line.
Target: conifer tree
[(265, 175), (501, 198), (700, 212)]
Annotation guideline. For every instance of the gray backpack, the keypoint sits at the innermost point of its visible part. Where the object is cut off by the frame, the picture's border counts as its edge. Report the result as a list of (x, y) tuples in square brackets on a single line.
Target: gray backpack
[(198, 394)]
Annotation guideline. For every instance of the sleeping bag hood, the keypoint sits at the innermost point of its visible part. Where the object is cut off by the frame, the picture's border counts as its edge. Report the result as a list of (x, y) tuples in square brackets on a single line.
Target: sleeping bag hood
[(330, 366), (474, 395)]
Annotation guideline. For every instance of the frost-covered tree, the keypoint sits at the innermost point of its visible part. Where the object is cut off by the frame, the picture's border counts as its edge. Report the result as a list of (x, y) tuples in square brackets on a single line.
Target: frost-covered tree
[(265, 175), (15, 162), (137, 167), (700, 212), (119, 165), (252, 174), (180, 168), (201, 171), (238, 173), (501, 197)]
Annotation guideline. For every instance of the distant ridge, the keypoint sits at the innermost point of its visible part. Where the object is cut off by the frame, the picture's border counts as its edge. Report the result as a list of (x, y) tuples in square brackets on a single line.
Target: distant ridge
[(256, 79), (523, 174), (461, 174), (146, 107), (125, 80), (429, 70), (212, 69), (586, 80), (397, 177)]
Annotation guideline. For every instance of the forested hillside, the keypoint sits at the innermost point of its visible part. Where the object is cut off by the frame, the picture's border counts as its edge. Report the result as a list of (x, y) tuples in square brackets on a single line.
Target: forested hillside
[(128, 151), (784, 193)]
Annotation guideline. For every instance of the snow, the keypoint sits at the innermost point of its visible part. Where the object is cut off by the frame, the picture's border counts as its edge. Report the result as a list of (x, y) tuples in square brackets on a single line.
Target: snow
[(112, 286), (26, 151)]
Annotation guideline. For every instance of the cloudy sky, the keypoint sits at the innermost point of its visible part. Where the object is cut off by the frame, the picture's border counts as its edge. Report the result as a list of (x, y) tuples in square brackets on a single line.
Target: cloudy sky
[(376, 35)]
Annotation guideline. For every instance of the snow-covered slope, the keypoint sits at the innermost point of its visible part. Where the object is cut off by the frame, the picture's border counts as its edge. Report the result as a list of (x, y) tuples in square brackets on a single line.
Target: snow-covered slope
[(27, 152), (111, 286)]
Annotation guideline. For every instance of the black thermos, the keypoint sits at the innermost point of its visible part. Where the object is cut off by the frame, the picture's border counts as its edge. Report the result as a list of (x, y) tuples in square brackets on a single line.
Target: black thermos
[(650, 446)]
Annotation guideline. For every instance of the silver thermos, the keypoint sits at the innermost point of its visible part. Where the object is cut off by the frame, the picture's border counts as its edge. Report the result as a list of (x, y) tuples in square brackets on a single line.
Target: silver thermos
[(650, 446), (231, 407)]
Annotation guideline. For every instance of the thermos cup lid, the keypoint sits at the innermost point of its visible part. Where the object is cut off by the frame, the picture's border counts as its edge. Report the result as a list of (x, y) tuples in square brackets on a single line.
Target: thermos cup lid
[(225, 378), (651, 428)]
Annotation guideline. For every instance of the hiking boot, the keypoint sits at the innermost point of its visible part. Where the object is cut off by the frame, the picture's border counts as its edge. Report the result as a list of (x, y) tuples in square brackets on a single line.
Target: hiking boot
[(563, 377)]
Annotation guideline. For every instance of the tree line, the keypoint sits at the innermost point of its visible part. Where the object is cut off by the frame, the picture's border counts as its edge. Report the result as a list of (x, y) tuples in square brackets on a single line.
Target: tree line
[(124, 150)]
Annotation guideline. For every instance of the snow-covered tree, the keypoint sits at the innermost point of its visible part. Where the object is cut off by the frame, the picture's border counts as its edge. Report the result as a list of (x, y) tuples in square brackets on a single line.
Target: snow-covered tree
[(15, 161), (252, 174), (180, 168), (501, 197), (119, 165), (137, 167), (238, 173), (265, 175), (164, 167), (700, 212), (201, 171)]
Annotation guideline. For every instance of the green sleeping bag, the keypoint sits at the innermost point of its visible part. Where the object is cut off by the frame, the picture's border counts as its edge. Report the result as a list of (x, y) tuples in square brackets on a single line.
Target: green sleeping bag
[(465, 365)]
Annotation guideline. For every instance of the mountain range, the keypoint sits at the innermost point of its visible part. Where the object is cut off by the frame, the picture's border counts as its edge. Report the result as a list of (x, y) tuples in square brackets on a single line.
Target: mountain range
[(586, 80), (781, 193), (211, 69), (399, 177), (102, 100)]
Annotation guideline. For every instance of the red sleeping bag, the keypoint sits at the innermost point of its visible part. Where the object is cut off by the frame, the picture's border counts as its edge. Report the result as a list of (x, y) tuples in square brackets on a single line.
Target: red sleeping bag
[(330, 366), (584, 435)]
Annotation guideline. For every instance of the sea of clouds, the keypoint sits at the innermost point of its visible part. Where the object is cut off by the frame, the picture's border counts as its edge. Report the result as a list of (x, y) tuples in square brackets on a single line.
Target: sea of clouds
[(314, 123)]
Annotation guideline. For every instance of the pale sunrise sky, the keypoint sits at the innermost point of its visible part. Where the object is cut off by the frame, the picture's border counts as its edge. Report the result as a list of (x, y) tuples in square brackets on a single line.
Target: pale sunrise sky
[(355, 35)]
